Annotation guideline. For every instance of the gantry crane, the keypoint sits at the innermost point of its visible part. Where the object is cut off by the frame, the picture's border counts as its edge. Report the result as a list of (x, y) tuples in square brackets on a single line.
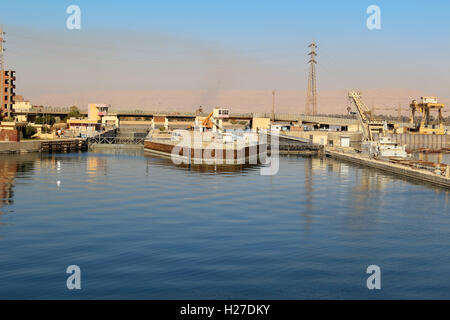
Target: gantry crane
[(425, 125)]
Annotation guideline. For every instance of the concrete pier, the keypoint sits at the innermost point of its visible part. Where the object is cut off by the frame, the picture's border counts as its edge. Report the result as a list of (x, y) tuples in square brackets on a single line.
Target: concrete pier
[(43, 146), (415, 173), (294, 145)]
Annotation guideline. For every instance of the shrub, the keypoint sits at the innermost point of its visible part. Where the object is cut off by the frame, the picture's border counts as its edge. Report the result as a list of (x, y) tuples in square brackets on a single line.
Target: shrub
[(29, 132), (6, 119), (46, 129)]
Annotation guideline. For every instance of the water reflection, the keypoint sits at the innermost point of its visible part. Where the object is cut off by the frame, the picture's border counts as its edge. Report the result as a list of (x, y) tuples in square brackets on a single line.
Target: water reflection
[(10, 167), (96, 166), (203, 169), (433, 157), (8, 172)]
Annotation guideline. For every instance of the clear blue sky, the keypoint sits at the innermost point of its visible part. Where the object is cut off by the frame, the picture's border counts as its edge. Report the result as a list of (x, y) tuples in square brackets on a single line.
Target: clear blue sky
[(265, 40), (234, 20)]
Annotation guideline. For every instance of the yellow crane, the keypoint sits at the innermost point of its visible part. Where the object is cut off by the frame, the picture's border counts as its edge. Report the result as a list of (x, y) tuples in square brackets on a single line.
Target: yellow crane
[(425, 125), (207, 123), (214, 119), (383, 146), (368, 123)]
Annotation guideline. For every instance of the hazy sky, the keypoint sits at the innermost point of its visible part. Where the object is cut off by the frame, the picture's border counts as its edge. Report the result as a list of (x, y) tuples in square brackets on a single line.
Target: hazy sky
[(225, 45)]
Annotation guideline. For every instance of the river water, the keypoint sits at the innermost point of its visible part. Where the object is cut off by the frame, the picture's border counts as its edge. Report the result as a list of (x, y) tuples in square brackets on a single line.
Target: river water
[(433, 157), (139, 227)]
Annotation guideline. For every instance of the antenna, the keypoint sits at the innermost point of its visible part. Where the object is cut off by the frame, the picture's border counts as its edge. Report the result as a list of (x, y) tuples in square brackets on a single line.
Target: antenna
[(273, 104), (2, 41)]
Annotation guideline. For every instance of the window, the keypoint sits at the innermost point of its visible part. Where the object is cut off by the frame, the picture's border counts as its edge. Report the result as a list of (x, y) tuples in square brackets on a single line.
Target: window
[(6, 81), (6, 73), (6, 89)]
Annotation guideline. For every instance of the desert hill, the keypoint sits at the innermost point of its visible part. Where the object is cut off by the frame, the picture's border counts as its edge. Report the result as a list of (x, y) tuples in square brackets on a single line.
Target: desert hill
[(329, 102)]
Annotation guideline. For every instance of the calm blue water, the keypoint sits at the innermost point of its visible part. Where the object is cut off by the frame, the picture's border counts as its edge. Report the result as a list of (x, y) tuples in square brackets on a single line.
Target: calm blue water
[(139, 227)]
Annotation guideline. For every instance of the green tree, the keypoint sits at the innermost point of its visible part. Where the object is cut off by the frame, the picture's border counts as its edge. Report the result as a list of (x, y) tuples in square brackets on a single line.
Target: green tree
[(74, 112), (29, 132), (50, 120)]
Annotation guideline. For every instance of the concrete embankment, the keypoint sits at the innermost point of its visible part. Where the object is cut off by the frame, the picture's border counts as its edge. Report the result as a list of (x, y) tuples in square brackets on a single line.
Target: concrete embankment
[(414, 173), (107, 147), (124, 149), (42, 146), (20, 147)]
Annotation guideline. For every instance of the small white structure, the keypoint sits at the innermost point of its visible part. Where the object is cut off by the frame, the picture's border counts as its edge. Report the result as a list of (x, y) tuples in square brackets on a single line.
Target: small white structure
[(429, 100), (384, 148), (110, 121), (277, 127), (345, 141), (22, 106), (227, 137), (220, 113)]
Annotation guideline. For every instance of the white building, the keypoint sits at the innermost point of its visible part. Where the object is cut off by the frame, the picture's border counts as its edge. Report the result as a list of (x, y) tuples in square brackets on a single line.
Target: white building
[(22, 106)]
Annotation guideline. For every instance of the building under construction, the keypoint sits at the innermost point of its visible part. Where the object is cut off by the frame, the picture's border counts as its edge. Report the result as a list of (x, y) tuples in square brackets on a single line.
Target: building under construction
[(7, 84), (7, 78)]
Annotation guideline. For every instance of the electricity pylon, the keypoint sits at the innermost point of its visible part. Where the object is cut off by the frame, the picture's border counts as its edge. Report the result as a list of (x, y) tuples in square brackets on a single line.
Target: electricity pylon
[(311, 95)]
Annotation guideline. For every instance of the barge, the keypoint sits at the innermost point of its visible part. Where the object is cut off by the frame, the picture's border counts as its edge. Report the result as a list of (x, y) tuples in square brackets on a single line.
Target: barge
[(202, 148), (207, 143)]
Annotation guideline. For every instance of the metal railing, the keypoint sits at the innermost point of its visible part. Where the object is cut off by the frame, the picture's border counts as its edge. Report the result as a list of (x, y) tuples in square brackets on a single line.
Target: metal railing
[(116, 140)]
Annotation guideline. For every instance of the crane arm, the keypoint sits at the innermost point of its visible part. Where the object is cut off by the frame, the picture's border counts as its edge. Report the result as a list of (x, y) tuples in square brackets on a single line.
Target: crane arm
[(206, 121), (363, 114)]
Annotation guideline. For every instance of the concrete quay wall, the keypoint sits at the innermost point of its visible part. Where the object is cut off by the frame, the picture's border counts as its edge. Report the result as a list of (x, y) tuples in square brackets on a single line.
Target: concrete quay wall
[(20, 147), (41, 146), (417, 174), (421, 141)]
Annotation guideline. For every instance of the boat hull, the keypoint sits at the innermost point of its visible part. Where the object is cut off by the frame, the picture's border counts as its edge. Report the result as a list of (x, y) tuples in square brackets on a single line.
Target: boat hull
[(227, 156)]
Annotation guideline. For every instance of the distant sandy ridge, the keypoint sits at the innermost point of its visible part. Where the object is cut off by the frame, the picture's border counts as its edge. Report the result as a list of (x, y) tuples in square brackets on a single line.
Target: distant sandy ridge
[(329, 102)]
